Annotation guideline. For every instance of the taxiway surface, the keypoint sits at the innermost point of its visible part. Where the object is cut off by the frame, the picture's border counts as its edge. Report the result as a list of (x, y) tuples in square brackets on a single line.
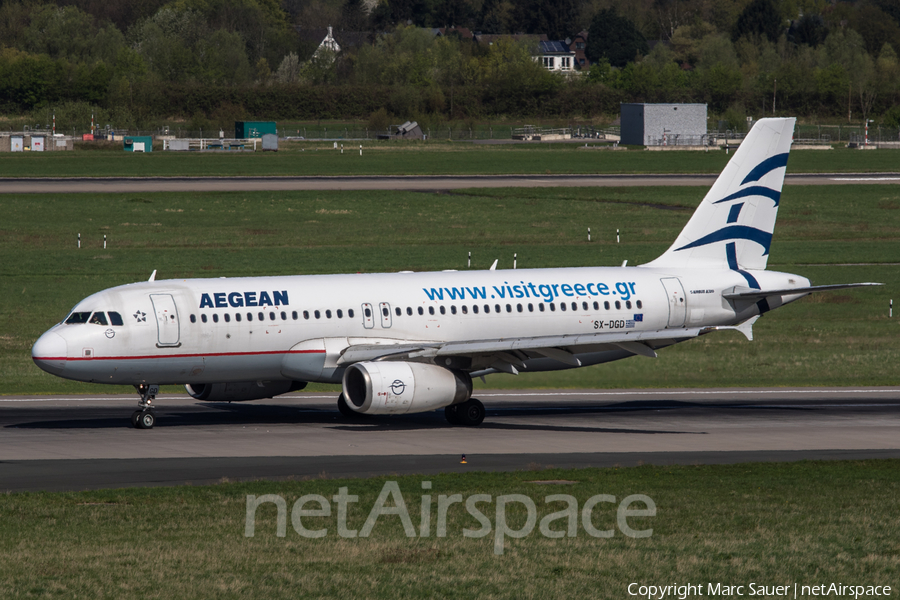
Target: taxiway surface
[(60, 443), (122, 185)]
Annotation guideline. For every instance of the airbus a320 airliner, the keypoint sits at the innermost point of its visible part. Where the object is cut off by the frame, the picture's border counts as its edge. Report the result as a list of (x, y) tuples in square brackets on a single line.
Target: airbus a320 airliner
[(412, 342)]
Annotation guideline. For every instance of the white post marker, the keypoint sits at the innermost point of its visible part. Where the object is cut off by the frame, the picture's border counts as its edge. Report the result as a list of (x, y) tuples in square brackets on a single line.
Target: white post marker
[(617, 236), (589, 234), (470, 260), (360, 149), (891, 311), (79, 240), (104, 241), (515, 259)]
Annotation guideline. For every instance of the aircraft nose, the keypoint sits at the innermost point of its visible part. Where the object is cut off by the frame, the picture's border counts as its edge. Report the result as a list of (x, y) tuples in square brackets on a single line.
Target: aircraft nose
[(49, 352)]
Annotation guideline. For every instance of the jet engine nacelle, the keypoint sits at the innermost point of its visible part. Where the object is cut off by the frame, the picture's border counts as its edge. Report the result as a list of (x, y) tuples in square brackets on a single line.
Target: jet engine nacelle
[(238, 392), (381, 388)]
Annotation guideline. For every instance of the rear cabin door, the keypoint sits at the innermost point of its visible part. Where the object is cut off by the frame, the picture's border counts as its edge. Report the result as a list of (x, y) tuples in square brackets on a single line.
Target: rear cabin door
[(166, 319), (677, 304)]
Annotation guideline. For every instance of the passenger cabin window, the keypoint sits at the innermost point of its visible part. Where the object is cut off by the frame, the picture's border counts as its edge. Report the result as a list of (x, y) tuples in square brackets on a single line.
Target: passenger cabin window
[(409, 311), (618, 305), (99, 318), (541, 307), (328, 314), (306, 314), (340, 314), (562, 306), (640, 304), (628, 304), (227, 318), (475, 308), (193, 318), (430, 310), (421, 312), (249, 316), (350, 312), (443, 310), (317, 314), (283, 316), (115, 319), (398, 311), (294, 315), (203, 318), (215, 317), (237, 317), (606, 305), (78, 318), (465, 309)]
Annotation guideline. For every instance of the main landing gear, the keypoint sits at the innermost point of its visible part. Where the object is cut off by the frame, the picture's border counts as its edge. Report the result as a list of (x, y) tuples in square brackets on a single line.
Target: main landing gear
[(144, 417), (466, 414), (345, 409)]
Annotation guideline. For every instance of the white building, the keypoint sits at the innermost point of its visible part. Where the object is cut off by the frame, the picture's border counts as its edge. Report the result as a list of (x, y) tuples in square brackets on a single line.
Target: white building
[(556, 56)]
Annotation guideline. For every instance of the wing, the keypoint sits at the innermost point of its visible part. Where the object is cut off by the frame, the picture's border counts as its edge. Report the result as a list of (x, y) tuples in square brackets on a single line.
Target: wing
[(509, 354)]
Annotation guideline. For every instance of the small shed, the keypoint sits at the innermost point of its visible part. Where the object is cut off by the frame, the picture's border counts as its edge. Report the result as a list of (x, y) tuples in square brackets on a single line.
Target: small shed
[(663, 124), (408, 131), (245, 130), (138, 143), (270, 142)]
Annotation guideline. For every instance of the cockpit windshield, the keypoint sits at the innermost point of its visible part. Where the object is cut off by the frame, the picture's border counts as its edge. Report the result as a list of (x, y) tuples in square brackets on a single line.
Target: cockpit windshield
[(97, 318)]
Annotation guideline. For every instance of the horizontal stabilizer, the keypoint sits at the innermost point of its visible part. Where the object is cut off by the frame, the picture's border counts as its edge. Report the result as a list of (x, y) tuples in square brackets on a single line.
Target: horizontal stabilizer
[(750, 294)]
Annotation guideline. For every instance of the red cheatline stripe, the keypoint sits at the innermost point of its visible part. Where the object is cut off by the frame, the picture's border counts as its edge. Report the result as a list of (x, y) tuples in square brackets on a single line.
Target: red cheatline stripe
[(67, 358)]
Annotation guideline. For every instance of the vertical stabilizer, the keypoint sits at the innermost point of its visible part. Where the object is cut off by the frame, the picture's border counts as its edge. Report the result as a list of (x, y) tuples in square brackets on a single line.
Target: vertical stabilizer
[(732, 228)]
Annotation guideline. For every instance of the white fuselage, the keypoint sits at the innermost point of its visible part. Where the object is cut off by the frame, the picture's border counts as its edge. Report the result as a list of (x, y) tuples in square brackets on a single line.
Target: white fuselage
[(197, 331)]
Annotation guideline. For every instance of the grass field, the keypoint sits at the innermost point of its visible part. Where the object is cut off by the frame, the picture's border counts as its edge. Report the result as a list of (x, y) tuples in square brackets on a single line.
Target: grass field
[(428, 158), (767, 524), (843, 338)]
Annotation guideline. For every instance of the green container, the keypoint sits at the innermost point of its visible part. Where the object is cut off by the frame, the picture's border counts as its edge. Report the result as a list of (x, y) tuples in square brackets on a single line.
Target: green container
[(244, 130), (138, 143)]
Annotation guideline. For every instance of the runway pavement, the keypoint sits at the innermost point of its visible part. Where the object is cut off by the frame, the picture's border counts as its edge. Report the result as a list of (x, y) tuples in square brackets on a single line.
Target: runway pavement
[(71, 443), (122, 185)]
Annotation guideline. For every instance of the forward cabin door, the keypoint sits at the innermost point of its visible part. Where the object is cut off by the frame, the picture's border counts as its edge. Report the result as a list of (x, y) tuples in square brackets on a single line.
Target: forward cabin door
[(368, 317), (677, 304), (166, 319), (385, 309)]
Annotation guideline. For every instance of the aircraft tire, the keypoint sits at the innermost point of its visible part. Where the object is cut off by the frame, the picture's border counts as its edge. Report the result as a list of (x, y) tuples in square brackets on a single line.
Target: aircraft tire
[(451, 413), (146, 420), (134, 419), (471, 413), (345, 408)]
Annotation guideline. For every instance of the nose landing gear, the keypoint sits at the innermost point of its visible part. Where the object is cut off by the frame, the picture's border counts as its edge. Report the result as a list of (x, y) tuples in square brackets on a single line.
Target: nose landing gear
[(144, 417)]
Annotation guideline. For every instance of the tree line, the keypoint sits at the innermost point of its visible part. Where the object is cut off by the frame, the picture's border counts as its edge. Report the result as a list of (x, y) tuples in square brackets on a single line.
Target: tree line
[(214, 61)]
